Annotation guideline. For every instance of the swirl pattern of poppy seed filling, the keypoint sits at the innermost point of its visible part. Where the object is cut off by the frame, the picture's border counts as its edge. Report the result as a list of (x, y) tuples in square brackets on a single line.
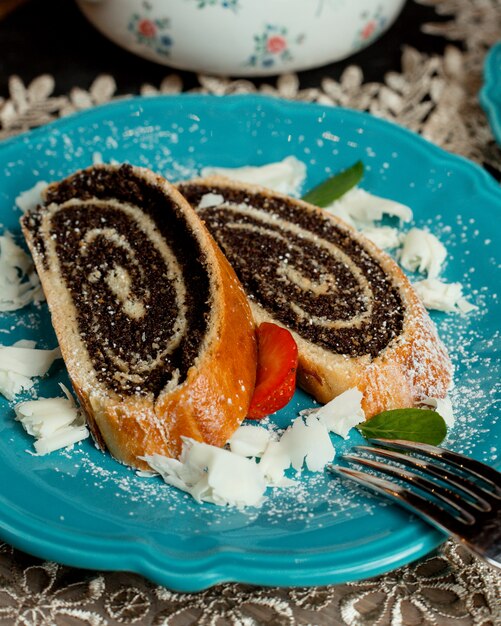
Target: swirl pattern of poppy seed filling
[(122, 259), (304, 269)]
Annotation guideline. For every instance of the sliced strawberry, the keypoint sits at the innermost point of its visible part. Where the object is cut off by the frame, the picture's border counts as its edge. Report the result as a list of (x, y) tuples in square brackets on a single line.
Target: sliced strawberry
[(276, 370)]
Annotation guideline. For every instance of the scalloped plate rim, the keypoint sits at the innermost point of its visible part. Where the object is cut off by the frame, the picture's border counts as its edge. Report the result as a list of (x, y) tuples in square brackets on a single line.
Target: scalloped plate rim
[(489, 99)]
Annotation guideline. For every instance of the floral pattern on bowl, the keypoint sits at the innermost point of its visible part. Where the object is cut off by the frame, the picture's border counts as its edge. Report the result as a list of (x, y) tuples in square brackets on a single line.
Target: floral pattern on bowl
[(273, 46), (152, 33), (372, 25), (242, 37)]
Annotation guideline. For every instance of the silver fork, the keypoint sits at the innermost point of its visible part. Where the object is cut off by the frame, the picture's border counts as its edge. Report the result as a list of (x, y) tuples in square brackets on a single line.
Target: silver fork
[(467, 506)]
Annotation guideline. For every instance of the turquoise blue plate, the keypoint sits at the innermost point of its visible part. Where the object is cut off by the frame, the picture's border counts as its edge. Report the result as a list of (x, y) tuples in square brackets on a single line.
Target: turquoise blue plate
[(82, 508), (490, 94)]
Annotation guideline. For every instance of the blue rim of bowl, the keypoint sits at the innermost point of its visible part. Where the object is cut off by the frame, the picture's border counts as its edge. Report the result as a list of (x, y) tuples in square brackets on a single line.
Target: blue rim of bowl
[(220, 565), (490, 94)]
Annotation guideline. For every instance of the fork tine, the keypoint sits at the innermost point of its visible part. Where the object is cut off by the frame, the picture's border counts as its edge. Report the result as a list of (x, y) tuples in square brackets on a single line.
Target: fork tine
[(445, 496), (418, 505), (488, 474), (480, 497)]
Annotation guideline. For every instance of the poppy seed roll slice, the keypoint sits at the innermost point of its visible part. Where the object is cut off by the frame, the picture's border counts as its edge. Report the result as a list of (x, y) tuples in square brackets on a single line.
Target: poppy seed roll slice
[(355, 317), (148, 312)]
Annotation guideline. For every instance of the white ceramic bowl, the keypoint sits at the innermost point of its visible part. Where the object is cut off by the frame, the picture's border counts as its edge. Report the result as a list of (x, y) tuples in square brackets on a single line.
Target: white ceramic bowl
[(242, 37)]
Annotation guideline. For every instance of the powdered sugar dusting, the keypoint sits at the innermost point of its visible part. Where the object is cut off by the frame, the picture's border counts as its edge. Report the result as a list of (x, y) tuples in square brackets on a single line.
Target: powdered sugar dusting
[(473, 356)]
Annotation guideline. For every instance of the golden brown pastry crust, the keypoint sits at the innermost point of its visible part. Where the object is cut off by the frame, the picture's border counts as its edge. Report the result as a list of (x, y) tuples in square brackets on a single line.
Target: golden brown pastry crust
[(214, 397)]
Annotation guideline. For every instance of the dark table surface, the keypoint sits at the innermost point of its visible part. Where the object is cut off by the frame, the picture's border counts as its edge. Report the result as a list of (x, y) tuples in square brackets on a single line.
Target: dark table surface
[(52, 36)]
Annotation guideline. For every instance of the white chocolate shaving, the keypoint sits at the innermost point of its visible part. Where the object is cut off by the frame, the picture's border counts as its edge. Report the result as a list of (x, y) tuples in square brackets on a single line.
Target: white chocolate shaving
[(12, 384), (440, 296), (342, 413), (55, 422), (212, 474), (63, 438), (422, 252), (284, 176), (361, 208), (250, 441), (19, 363), (27, 361), (226, 477), (31, 198), (308, 442), (19, 284), (274, 462), (385, 237), (25, 343)]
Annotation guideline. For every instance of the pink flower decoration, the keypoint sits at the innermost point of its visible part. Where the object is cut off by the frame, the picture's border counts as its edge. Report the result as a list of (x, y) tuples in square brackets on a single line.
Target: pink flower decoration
[(147, 28), (276, 44), (369, 28)]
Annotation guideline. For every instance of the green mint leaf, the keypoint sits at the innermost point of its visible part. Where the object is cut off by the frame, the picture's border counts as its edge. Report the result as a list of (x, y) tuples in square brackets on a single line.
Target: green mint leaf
[(421, 425), (336, 186)]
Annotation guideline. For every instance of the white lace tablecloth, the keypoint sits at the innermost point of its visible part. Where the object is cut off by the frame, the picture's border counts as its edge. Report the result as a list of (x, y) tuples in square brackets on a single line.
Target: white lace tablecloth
[(436, 96)]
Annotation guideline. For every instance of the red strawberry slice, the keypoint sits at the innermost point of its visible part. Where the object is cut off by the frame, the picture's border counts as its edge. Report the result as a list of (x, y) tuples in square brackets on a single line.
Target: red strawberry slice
[(276, 370)]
